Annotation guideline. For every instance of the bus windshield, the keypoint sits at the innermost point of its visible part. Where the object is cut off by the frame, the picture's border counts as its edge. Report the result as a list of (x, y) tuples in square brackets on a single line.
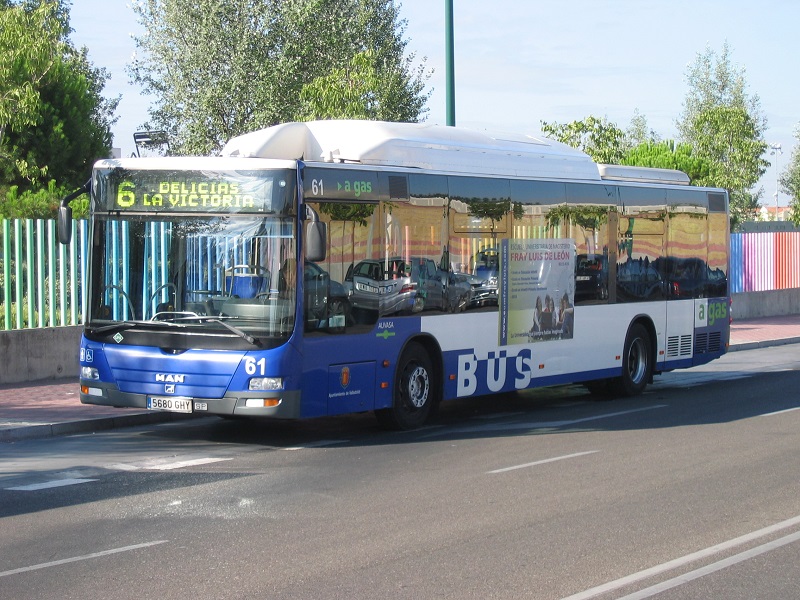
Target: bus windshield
[(227, 279)]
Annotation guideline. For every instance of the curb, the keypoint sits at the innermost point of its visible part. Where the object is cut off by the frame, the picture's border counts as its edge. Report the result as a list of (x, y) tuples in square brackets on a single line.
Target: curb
[(764, 344), (47, 430)]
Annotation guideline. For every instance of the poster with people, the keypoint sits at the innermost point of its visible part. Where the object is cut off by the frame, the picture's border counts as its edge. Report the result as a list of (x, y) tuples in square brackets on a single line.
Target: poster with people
[(537, 290)]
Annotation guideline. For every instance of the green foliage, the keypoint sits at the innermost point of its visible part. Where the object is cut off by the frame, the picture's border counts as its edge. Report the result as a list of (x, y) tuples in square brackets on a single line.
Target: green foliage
[(246, 64), (668, 155), (29, 42), (73, 127), (725, 127), (588, 217), (364, 89), (598, 137), (40, 204), (790, 181), (54, 121)]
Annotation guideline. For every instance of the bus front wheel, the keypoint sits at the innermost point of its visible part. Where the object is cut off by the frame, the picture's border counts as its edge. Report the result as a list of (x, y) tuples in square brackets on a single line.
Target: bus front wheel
[(637, 362), (415, 391)]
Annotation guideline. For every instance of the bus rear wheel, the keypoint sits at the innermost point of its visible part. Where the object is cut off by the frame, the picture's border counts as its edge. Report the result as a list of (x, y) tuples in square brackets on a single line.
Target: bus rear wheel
[(415, 394), (637, 363)]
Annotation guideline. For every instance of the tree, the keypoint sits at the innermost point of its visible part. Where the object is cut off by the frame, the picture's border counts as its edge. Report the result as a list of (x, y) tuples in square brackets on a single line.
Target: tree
[(669, 155), (362, 90), (29, 43), (790, 181), (246, 64), (726, 128), (72, 126), (599, 138)]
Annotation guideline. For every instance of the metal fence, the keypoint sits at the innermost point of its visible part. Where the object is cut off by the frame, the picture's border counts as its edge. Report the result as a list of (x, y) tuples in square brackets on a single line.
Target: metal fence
[(763, 262), (41, 280)]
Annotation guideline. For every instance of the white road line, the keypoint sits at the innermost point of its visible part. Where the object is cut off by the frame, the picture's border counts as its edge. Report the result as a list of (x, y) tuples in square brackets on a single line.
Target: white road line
[(683, 560), (64, 561), (780, 412), (541, 462), (49, 484), (186, 463), (712, 568)]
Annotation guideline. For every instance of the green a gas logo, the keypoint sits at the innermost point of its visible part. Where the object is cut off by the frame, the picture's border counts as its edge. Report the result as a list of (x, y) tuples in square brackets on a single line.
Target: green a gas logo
[(709, 313)]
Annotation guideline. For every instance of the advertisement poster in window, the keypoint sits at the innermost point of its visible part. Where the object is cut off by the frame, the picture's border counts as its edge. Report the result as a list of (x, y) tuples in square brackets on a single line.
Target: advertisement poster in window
[(537, 290)]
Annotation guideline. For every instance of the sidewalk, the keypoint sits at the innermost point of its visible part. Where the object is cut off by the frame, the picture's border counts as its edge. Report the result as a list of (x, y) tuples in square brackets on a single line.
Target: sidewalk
[(49, 408)]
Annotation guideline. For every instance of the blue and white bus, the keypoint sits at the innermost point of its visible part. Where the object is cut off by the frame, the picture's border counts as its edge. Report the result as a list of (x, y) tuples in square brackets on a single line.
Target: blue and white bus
[(333, 267)]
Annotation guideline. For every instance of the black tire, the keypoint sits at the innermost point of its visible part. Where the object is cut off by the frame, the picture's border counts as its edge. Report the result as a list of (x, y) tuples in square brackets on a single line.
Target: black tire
[(637, 363), (416, 391)]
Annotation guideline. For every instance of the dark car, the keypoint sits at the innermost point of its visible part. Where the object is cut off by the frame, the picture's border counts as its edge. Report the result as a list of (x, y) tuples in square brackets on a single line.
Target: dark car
[(591, 278), (690, 277), (639, 281)]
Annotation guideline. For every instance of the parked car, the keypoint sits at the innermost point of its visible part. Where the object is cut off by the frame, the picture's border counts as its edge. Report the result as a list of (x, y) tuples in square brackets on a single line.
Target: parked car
[(639, 281), (397, 286), (458, 292), (483, 280), (591, 278)]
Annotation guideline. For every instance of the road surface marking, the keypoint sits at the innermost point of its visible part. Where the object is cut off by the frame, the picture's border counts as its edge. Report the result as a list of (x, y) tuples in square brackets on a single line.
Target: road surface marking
[(186, 463), (49, 484), (780, 412), (64, 561), (683, 560), (712, 568), (541, 462)]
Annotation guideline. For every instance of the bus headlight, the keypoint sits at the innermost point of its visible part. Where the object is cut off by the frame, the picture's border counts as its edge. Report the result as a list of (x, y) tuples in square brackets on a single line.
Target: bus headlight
[(265, 384), (90, 373)]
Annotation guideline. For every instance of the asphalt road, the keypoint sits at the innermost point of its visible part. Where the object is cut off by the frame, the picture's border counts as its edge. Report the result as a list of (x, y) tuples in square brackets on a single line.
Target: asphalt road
[(689, 491)]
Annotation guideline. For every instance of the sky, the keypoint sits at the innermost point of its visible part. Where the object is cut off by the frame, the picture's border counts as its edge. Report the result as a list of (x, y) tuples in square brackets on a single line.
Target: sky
[(519, 63)]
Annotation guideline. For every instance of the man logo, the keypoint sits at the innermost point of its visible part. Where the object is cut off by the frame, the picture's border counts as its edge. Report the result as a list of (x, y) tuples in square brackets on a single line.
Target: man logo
[(344, 377), (170, 378), (169, 389)]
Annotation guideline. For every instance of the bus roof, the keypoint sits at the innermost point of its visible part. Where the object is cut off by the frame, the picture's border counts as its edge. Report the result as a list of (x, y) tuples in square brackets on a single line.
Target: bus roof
[(416, 145)]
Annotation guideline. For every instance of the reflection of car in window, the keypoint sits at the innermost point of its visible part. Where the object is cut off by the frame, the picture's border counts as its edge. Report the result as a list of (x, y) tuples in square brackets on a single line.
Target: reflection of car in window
[(591, 278), (396, 286), (483, 279), (691, 278), (639, 280)]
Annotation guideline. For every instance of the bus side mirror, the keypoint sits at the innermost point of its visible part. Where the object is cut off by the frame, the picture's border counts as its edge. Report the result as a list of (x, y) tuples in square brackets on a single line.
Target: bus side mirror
[(64, 224), (316, 242)]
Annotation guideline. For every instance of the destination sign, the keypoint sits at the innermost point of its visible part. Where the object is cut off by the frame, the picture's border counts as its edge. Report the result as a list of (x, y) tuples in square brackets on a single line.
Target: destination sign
[(340, 184), (190, 191)]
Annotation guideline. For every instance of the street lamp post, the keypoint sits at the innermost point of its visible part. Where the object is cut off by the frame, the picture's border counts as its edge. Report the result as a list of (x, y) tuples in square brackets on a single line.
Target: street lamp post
[(776, 150), (450, 63)]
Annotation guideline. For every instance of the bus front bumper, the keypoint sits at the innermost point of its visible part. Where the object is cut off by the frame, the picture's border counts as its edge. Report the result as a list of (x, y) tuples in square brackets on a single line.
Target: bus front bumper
[(277, 405)]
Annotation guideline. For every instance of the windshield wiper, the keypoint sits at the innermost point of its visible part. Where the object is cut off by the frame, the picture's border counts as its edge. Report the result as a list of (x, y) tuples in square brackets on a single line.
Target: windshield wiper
[(242, 334)]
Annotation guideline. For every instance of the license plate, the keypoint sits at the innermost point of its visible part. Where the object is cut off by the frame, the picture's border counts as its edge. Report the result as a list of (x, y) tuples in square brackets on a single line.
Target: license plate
[(176, 404), (367, 288)]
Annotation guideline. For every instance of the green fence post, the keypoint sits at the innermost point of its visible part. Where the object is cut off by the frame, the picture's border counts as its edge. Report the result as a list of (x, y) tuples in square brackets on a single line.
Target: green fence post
[(6, 274), (39, 286)]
